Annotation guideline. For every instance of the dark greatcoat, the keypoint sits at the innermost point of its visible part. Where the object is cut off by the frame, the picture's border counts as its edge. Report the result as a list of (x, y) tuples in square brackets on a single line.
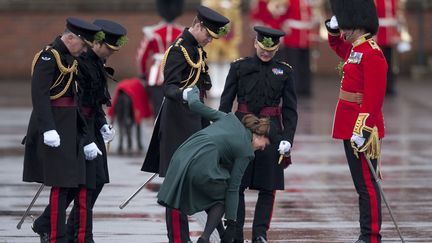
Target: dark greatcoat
[(264, 84), (63, 166), (93, 93), (175, 122)]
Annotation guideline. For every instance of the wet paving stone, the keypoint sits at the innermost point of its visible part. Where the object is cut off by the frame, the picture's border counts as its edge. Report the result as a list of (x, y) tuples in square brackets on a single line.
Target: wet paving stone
[(319, 203)]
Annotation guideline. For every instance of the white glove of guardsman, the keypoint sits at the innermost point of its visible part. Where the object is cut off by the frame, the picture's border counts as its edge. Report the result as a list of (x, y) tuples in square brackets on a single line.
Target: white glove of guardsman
[(185, 93), (108, 133), (359, 141), (333, 23), (284, 147), (51, 138), (91, 151)]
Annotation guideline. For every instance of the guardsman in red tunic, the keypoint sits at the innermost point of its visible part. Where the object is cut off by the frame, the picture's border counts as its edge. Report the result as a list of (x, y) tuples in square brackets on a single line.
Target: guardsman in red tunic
[(298, 24), (391, 22), (157, 38), (359, 120), (268, 13)]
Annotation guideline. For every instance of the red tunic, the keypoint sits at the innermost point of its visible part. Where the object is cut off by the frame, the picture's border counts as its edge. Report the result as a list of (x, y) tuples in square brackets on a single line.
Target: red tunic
[(298, 24), (260, 15), (365, 72), (155, 42), (388, 33)]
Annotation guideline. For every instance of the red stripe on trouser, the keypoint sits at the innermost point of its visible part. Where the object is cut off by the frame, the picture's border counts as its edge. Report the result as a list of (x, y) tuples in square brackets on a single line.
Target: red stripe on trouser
[(54, 197), (271, 212), (175, 221), (82, 200), (373, 201)]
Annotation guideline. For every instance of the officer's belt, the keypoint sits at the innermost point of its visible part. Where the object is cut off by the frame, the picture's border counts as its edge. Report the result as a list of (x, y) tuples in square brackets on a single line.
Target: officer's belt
[(351, 97), (87, 110), (265, 111), (64, 102)]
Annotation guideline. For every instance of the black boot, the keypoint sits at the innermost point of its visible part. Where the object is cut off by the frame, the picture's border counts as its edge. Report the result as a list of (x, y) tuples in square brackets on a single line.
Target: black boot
[(259, 239), (44, 236), (201, 240)]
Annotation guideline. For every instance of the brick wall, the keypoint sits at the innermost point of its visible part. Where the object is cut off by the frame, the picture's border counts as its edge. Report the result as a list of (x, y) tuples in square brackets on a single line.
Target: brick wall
[(23, 33)]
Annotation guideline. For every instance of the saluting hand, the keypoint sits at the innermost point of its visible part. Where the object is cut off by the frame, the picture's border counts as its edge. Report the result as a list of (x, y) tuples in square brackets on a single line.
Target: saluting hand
[(51, 138)]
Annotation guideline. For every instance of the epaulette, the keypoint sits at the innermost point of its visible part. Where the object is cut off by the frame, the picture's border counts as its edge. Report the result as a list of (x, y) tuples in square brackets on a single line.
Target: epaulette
[(285, 63), (178, 42), (240, 59), (373, 44)]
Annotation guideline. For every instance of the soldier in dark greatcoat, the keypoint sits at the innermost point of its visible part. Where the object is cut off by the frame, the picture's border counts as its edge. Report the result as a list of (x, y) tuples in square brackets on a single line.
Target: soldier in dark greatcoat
[(56, 133), (93, 93), (183, 66), (265, 88)]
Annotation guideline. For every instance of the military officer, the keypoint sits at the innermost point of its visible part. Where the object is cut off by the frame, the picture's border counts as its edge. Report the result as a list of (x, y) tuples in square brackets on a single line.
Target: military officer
[(93, 94), (183, 65), (264, 87), (54, 144), (358, 120)]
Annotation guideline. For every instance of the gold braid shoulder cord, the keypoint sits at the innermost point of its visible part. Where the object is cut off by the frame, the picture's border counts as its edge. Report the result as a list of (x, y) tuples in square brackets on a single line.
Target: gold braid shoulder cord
[(196, 67), (63, 72)]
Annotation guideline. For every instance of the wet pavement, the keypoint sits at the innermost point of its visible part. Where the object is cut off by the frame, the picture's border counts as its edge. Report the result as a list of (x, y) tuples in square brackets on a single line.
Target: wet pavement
[(319, 203)]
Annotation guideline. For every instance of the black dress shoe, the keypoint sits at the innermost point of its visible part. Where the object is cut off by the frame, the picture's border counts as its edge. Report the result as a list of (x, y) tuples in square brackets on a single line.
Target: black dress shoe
[(44, 236), (259, 239), (201, 240), (237, 241)]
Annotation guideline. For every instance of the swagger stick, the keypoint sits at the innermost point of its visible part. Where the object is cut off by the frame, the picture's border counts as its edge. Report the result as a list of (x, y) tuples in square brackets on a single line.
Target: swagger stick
[(125, 203), (26, 213), (384, 198)]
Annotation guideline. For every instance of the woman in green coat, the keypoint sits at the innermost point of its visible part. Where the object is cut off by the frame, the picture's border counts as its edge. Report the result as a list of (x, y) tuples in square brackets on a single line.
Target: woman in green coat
[(206, 170)]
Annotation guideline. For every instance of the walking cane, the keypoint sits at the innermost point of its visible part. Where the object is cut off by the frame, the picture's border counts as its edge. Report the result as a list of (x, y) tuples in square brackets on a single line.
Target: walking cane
[(384, 198), (26, 213), (126, 202)]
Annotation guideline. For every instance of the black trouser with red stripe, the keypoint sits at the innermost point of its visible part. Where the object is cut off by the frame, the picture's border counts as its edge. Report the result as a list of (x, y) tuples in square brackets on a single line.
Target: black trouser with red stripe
[(262, 216), (369, 195), (177, 226), (80, 220), (53, 219)]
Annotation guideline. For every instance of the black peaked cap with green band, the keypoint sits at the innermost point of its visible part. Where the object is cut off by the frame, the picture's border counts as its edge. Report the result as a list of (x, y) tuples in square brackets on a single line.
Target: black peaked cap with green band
[(115, 33), (268, 38)]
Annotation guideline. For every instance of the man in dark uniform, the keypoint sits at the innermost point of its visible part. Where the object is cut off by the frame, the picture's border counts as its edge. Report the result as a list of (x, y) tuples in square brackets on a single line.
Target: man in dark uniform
[(54, 142), (358, 119), (264, 87), (93, 93), (183, 66)]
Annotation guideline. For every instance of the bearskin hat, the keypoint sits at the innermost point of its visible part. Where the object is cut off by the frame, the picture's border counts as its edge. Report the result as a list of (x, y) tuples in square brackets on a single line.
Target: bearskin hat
[(356, 14), (169, 10)]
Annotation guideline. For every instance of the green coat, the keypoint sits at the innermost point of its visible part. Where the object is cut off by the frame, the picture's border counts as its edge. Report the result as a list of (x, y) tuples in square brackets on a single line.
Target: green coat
[(208, 167)]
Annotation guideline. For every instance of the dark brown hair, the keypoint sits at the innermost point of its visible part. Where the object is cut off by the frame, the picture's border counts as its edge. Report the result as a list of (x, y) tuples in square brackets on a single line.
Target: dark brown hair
[(259, 126)]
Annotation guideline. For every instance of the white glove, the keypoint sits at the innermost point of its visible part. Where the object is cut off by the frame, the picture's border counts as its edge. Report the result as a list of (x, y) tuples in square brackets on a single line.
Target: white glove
[(51, 138), (284, 147), (333, 24), (91, 151), (185, 93), (108, 133), (359, 141)]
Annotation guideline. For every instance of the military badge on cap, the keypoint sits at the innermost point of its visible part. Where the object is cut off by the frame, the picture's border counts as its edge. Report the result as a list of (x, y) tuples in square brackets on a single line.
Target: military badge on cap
[(268, 38), (215, 23)]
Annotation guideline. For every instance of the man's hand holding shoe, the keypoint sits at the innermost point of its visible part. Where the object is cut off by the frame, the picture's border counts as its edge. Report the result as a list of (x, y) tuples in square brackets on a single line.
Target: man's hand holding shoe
[(108, 133)]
